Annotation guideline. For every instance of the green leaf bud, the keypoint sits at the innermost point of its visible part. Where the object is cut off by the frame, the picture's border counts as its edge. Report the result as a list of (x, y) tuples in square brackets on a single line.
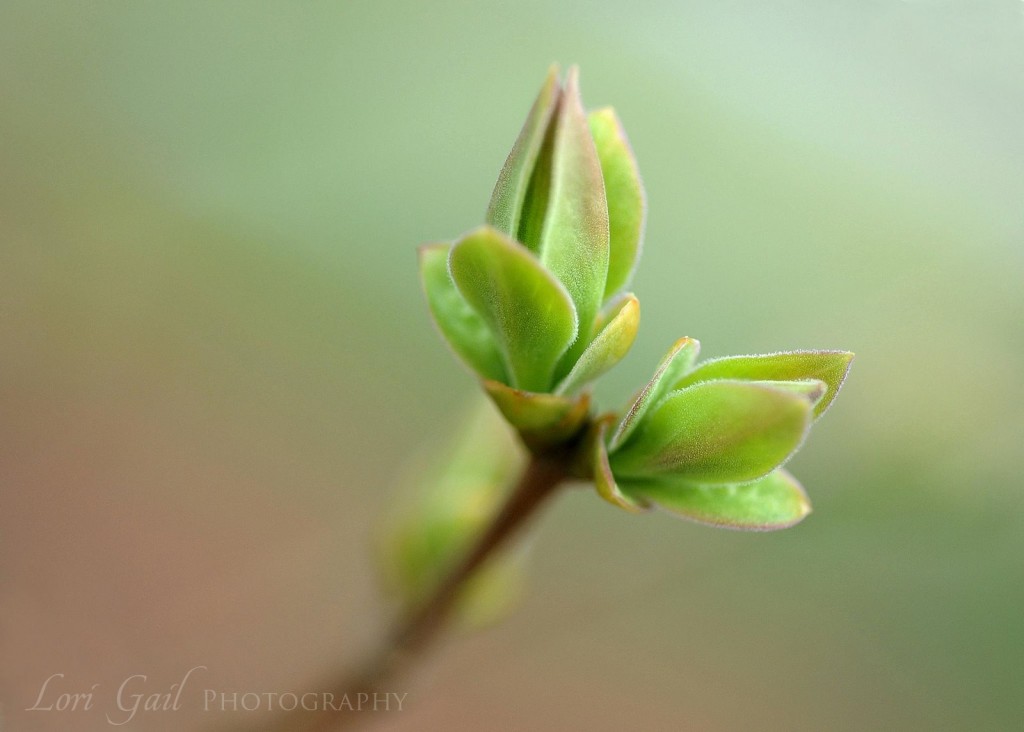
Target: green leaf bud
[(453, 495), (531, 301)]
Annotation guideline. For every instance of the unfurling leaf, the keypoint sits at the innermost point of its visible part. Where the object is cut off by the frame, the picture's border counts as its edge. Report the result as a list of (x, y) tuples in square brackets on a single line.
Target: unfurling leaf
[(719, 432), (611, 343), (627, 205), (510, 192), (776, 501), (677, 362), (828, 366), (528, 311), (574, 245)]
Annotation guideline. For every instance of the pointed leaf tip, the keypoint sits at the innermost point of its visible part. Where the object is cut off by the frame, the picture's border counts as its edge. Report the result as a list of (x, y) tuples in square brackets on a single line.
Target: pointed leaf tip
[(508, 200), (811, 389), (831, 367)]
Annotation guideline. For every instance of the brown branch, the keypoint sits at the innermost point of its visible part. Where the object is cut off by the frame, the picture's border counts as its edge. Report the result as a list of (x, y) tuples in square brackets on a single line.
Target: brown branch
[(414, 634)]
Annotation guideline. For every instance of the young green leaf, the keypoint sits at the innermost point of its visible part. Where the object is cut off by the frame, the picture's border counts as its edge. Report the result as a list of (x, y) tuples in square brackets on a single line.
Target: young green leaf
[(828, 366), (627, 205), (608, 347), (530, 232), (776, 501), (507, 200), (604, 479), (673, 366), (529, 312), (465, 331), (717, 432), (574, 245)]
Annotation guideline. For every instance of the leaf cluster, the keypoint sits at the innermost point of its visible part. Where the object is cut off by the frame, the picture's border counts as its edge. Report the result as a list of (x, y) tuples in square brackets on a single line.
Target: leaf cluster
[(536, 303)]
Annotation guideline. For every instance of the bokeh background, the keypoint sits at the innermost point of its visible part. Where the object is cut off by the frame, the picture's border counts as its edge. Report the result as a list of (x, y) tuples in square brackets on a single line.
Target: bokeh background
[(215, 362)]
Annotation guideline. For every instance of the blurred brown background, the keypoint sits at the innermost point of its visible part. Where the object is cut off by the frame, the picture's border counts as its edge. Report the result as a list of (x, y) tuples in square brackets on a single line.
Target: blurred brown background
[(215, 359)]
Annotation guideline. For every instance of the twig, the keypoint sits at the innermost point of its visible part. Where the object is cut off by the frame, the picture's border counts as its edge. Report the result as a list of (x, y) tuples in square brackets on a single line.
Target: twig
[(414, 634)]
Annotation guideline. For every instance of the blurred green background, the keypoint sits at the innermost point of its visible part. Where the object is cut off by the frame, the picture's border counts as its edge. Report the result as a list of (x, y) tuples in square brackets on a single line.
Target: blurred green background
[(215, 360)]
